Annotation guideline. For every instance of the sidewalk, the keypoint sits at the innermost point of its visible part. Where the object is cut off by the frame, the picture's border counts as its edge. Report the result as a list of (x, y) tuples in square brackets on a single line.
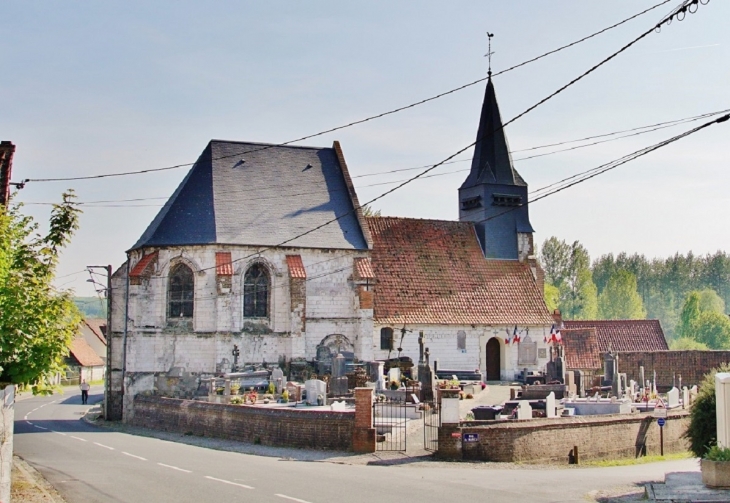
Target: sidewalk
[(684, 487), (29, 486)]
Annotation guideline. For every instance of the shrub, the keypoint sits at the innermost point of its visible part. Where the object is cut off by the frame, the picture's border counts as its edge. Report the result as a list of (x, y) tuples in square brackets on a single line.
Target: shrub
[(718, 454), (237, 400), (702, 429)]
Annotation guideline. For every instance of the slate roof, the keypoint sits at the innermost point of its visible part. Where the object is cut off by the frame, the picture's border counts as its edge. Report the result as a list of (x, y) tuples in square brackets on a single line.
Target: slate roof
[(296, 267), (624, 335), (262, 195), (581, 348), (434, 272), (492, 161), (84, 354)]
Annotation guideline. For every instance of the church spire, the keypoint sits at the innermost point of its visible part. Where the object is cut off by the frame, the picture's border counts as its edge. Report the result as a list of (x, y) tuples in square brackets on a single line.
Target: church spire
[(492, 161)]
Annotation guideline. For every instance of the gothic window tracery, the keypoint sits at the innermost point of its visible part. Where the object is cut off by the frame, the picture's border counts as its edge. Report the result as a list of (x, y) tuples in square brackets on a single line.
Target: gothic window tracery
[(256, 286), (181, 292)]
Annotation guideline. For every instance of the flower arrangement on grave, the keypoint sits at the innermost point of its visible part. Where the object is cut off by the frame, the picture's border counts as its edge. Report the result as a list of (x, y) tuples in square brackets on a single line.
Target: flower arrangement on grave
[(394, 385), (381, 398), (235, 388), (454, 383), (237, 400), (469, 396), (285, 396), (272, 388), (251, 396), (219, 390)]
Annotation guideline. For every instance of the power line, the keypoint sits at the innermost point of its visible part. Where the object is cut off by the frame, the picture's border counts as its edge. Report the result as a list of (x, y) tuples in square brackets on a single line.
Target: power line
[(367, 119), (515, 118)]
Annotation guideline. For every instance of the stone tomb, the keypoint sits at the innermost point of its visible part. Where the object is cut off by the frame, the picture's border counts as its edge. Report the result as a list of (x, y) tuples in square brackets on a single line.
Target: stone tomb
[(315, 388), (673, 398), (524, 410), (277, 377)]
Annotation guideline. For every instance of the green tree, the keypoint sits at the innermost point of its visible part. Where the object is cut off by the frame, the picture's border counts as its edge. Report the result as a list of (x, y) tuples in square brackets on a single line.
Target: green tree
[(713, 329), (567, 267), (689, 315), (37, 322), (710, 301), (620, 300), (702, 429), (552, 297), (685, 343)]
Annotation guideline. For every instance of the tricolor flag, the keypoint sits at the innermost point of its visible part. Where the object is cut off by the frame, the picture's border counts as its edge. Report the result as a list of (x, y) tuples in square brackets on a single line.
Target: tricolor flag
[(515, 336), (555, 335)]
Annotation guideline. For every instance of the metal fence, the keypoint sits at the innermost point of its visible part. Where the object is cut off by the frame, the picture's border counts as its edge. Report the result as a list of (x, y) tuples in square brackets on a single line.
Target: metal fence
[(431, 424), (390, 422)]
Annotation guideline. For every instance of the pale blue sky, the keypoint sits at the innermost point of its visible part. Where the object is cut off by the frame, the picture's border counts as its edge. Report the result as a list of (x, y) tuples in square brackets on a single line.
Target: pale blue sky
[(114, 86)]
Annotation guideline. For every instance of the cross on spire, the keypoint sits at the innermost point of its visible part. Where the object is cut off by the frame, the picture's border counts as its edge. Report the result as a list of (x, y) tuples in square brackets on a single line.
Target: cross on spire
[(489, 54)]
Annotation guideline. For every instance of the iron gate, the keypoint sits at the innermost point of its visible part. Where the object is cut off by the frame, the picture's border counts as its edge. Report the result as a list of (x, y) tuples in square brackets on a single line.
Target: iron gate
[(390, 421), (431, 424)]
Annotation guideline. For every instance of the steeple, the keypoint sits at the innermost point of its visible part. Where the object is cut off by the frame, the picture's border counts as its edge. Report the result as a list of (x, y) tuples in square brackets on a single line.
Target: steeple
[(492, 161), (494, 195)]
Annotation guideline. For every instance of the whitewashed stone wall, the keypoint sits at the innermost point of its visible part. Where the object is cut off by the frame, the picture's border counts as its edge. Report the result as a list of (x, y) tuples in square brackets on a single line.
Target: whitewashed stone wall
[(155, 345), (442, 343)]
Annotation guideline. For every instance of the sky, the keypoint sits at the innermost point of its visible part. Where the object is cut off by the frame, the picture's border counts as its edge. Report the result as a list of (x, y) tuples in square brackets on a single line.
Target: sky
[(105, 87)]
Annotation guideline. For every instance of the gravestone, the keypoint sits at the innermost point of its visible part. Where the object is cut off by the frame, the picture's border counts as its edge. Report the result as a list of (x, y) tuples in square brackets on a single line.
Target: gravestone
[(338, 365), (524, 410), (277, 377), (632, 389), (315, 388), (642, 377), (339, 386), (673, 398), (580, 383), (609, 368), (685, 397), (425, 377), (550, 409), (393, 376), (570, 381)]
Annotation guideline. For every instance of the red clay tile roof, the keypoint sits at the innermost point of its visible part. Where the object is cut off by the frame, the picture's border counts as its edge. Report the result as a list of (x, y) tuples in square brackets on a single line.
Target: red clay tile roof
[(144, 266), (625, 335), (581, 348), (97, 326), (363, 269), (433, 271), (296, 267), (223, 264), (84, 354)]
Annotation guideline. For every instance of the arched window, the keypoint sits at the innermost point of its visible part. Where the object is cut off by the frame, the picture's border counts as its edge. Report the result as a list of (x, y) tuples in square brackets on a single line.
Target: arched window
[(256, 292), (386, 338), (181, 292)]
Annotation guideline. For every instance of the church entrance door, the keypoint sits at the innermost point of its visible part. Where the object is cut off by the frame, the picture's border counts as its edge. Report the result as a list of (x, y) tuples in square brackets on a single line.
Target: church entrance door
[(493, 363)]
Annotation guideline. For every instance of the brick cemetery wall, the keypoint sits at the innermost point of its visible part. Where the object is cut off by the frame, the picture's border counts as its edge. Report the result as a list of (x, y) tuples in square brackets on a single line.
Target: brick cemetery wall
[(691, 365), (314, 429), (551, 440)]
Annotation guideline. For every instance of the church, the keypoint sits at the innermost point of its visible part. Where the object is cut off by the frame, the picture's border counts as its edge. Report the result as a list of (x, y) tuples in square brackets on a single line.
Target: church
[(263, 254)]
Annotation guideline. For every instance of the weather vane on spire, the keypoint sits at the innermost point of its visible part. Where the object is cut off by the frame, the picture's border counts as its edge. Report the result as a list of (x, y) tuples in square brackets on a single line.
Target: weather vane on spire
[(489, 54)]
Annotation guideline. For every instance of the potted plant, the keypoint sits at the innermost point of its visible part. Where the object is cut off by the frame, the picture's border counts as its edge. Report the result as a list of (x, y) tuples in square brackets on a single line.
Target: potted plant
[(716, 467), (285, 396)]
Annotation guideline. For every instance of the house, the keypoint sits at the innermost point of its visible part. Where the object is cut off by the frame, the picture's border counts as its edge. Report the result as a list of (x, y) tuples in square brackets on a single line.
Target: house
[(93, 332), (624, 335), (262, 254), (83, 362)]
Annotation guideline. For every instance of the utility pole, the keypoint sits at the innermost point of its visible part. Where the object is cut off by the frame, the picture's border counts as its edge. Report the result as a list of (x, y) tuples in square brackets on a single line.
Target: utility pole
[(107, 335), (7, 149)]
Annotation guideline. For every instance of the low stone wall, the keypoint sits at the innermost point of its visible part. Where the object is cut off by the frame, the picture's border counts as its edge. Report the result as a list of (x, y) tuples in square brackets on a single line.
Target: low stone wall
[(691, 365), (551, 440), (289, 427)]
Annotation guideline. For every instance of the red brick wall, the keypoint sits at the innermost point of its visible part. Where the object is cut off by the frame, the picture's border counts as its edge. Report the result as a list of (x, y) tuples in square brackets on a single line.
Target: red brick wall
[(314, 429), (363, 439), (691, 365), (551, 440)]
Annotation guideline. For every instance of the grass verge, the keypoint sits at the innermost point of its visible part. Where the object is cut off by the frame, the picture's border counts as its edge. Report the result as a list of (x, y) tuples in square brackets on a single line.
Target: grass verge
[(639, 461)]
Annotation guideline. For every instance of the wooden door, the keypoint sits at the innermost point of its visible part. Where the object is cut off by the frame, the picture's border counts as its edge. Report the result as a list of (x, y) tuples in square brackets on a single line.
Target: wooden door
[(493, 360)]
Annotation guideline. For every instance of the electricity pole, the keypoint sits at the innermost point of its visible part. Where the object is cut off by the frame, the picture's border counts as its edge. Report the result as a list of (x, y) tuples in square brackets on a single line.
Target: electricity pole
[(108, 334)]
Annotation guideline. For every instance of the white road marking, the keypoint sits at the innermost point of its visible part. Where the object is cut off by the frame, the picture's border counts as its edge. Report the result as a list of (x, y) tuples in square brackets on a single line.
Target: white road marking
[(29, 423), (133, 456), (290, 498), (26, 416), (104, 446), (174, 468), (42, 405), (228, 482), (58, 432), (39, 427), (79, 438)]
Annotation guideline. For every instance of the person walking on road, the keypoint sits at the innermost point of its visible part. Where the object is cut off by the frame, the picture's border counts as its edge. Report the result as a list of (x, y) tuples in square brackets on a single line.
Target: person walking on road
[(84, 391)]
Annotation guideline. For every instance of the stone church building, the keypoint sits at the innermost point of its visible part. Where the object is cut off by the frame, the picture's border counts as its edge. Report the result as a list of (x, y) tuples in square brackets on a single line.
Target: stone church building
[(265, 248)]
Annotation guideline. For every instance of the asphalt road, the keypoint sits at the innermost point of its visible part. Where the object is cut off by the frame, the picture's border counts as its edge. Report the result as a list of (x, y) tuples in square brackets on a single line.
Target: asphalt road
[(90, 464)]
